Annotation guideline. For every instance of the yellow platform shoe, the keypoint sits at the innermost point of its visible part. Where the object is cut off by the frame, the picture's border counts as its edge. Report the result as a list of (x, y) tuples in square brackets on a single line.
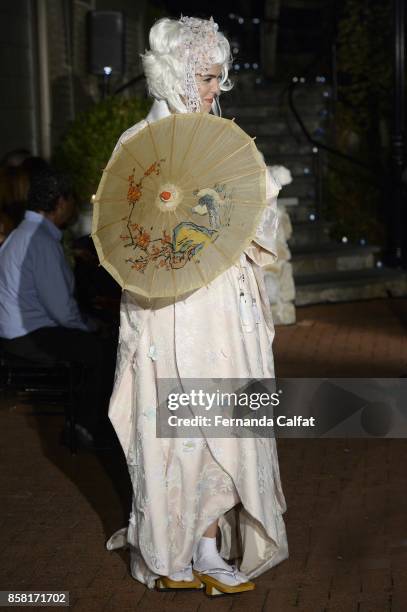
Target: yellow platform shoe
[(164, 583), (214, 587)]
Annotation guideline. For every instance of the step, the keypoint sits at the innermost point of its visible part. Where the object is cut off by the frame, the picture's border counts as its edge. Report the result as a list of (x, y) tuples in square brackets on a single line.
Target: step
[(256, 113), (304, 94), (352, 285), (251, 112), (310, 233), (303, 187), (306, 210), (289, 203), (271, 113), (332, 258), (277, 127), (274, 148), (276, 86), (299, 164)]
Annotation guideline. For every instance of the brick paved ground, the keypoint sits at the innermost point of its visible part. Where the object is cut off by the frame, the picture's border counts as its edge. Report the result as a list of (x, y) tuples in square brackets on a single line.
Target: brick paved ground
[(347, 499), (366, 339)]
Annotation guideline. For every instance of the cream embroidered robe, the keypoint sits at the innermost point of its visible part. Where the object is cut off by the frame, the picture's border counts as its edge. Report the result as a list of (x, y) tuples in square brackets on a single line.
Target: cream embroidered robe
[(180, 486)]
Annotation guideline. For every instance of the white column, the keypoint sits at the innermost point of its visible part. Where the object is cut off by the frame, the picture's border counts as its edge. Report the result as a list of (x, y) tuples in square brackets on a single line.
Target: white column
[(44, 82)]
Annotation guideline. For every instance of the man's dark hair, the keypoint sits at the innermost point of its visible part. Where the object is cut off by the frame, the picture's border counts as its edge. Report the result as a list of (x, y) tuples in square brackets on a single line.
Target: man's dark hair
[(46, 188), (35, 164)]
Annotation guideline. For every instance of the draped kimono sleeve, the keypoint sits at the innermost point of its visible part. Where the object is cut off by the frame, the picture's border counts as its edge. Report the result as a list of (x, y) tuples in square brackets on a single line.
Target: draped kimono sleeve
[(263, 249)]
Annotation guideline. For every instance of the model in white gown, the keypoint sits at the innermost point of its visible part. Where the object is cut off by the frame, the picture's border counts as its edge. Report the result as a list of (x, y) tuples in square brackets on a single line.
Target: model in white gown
[(181, 486)]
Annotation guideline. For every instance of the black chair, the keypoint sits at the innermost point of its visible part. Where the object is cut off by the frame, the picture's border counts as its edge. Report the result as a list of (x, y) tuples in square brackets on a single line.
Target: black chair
[(62, 378)]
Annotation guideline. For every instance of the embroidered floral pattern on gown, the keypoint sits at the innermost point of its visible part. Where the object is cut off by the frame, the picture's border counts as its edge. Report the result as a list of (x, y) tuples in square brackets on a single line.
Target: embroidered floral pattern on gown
[(180, 486)]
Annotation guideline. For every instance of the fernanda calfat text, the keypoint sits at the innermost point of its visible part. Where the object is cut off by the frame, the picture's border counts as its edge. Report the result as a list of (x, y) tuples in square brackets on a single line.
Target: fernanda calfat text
[(220, 421)]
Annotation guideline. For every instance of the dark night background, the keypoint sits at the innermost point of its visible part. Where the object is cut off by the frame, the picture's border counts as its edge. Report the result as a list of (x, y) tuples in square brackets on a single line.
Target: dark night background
[(320, 83)]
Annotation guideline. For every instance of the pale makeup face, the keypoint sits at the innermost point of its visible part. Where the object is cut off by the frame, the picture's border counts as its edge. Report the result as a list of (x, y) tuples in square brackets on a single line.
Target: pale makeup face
[(209, 86)]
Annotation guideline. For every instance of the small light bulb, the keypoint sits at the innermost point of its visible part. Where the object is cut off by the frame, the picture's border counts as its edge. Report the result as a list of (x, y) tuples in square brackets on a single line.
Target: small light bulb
[(312, 217), (344, 239), (295, 79), (237, 66), (107, 70), (315, 149), (256, 20), (379, 264), (255, 65), (240, 20)]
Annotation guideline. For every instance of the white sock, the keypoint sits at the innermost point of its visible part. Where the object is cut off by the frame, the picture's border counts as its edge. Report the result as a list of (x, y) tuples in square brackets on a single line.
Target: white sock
[(207, 548), (185, 574), (207, 557)]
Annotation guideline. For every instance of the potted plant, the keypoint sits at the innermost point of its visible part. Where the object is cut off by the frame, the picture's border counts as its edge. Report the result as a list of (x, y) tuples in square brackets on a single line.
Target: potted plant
[(88, 143)]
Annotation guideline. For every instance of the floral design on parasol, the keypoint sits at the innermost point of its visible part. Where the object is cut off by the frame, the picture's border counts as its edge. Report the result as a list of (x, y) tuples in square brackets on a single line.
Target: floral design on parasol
[(177, 204)]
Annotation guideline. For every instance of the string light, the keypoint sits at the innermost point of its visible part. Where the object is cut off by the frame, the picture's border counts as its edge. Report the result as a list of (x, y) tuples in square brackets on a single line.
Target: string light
[(344, 239)]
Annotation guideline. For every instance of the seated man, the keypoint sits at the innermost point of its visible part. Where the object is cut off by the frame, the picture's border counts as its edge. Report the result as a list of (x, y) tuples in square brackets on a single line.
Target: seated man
[(39, 316)]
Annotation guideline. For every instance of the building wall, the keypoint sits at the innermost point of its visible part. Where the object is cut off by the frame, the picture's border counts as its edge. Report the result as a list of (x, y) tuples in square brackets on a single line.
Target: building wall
[(134, 11), (18, 120), (71, 88)]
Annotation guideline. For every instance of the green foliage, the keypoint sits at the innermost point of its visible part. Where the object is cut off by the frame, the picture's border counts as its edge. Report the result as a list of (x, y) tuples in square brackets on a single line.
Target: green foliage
[(365, 58), (362, 117), (89, 140)]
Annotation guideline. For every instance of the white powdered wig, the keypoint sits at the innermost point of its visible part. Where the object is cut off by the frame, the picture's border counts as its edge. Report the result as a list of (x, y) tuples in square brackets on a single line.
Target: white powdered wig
[(165, 63)]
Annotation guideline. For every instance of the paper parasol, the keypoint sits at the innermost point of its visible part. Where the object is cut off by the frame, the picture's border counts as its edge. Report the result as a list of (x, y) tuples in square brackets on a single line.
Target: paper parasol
[(177, 204)]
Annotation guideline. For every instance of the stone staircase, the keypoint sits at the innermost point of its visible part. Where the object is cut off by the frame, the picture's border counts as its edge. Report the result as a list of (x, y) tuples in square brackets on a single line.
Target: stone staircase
[(324, 270)]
